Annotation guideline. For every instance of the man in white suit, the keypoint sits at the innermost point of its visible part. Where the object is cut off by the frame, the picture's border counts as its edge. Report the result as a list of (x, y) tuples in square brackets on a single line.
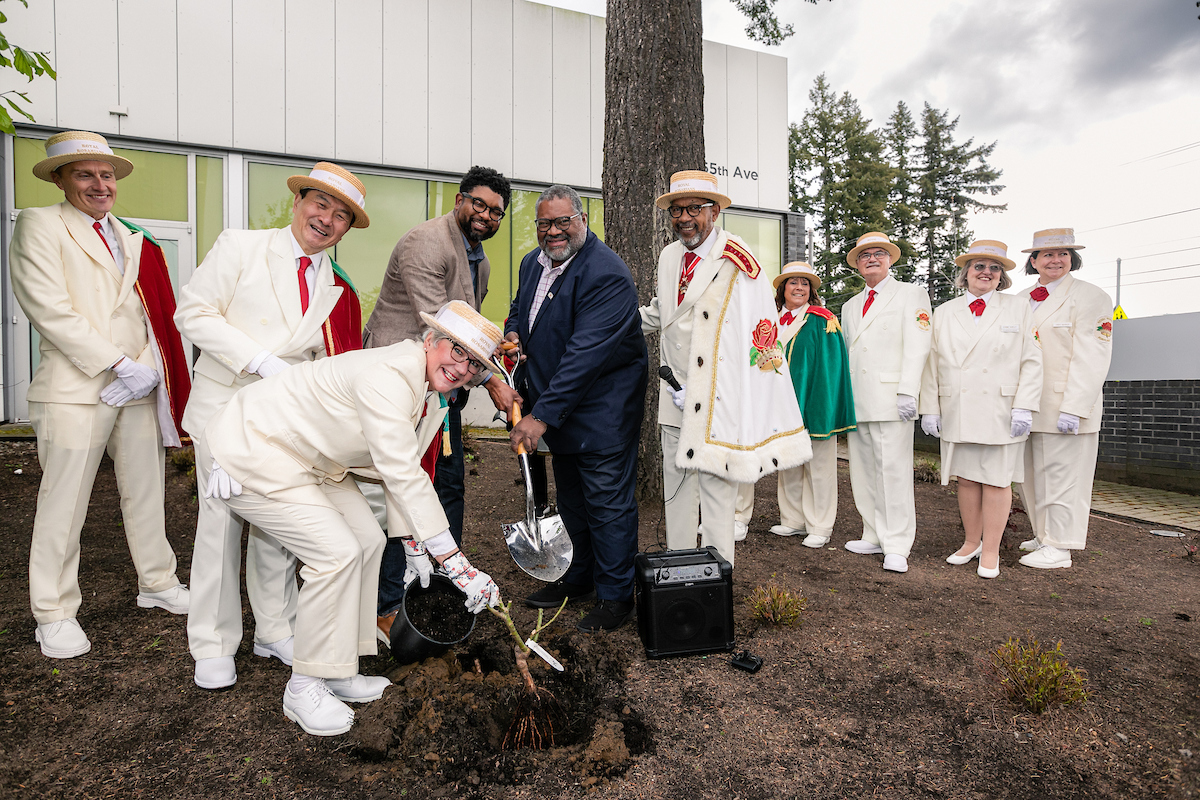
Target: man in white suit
[(259, 303), (887, 328), (1074, 322), (76, 274)]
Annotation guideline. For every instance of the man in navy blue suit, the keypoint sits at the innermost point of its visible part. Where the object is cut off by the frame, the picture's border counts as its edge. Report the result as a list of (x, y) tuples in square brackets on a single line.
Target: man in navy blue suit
[(584, 386)]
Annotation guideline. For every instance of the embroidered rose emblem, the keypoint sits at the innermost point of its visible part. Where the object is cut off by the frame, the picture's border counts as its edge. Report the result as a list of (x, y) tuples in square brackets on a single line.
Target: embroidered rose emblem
[(765, 352), (923, 320), (1104, 329), (765, 335)]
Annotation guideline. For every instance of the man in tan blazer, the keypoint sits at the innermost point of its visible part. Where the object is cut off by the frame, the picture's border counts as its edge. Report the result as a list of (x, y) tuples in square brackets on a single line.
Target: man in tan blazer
[(1074, 323), (75, 273), (258, 304), (281, 451), (887, 328)]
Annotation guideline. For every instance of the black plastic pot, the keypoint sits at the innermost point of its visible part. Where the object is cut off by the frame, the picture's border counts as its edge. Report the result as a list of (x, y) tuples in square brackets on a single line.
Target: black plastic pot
[(409, 644)]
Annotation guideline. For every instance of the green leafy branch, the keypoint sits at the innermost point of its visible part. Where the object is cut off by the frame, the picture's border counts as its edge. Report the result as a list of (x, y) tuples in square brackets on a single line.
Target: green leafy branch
[(31, 64)]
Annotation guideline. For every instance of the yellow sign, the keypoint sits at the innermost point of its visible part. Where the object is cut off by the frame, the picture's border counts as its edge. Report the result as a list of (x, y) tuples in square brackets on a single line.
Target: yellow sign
[(1119, 313)]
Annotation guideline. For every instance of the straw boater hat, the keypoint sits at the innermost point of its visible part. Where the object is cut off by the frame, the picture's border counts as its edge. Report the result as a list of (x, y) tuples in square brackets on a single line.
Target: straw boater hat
[(872, 239), (466, 326), (795, 269), (63, 148), (986, 248), (1054, 239), (333, 180), (693, 183)]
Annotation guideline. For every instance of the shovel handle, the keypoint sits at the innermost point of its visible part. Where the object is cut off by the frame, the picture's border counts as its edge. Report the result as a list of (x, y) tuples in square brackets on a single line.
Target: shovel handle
[(516, 417)]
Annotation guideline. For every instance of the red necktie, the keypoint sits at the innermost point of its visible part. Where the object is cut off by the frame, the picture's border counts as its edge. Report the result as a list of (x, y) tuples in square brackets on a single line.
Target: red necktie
[(305, 263), (977, 306), (100, 233), (685, 277), (1039, 294), (870, 299), (787, 318)]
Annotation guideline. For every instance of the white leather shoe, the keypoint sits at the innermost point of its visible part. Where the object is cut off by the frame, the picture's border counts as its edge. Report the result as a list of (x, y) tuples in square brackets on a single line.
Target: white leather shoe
[(895, 563), (316, 710), (984, 572), (215, 673), (1047, 557), (812, 540), (359, 689), (1029, 545), (62, 639), (740, 529), (957, 560), (784, 530), (176, 599), (863, 547), (282, 650)]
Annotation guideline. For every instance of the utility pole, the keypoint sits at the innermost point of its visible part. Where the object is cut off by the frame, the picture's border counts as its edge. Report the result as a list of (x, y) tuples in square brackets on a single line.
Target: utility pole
[(1119, 274)]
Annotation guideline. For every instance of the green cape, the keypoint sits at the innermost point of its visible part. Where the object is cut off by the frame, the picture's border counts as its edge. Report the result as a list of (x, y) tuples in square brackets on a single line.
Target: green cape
[(820, 368)]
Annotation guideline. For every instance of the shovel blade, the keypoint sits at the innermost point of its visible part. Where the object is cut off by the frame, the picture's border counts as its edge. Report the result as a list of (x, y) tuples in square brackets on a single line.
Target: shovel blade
[(547, 563)]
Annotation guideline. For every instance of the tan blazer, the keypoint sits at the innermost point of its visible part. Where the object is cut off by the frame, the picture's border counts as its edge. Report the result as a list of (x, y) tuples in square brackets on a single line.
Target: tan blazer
[(319, 420), (978, 373), (888, 347), (86, 311), (243, 299), (428, 268), (1075, 327)]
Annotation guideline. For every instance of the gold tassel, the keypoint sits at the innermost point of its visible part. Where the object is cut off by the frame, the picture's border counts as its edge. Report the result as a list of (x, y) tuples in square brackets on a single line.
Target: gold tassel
[(446, 444), (831, 325)]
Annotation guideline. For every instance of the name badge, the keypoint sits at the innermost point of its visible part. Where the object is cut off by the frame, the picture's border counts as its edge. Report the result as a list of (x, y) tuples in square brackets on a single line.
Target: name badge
[(1010, 328), (1062, 324)]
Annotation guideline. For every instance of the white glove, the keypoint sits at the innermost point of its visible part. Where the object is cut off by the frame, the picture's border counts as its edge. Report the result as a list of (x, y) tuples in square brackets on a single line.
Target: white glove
[(480, 589), (418, 565), (116, 393), (1068, 423), (272, 365), (1022, 421), (677, 396), (932, 425), (906, 405), (221, 484), (140, 379)]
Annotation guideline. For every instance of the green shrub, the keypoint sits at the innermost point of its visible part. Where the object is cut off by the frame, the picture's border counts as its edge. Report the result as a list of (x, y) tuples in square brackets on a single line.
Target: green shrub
[(1036, 678), (775, 605)]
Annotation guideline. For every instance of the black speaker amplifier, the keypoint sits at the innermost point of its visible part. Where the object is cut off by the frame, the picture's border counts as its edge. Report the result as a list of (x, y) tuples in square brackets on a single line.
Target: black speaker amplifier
[(685, 602)]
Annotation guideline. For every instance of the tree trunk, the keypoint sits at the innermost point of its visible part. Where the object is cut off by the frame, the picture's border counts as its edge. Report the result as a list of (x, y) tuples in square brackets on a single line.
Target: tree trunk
[(653, 126)]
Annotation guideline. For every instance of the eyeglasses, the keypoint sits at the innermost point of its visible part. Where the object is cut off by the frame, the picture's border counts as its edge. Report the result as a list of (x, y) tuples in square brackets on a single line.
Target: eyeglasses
[(480, 207), (474, 365), (693, 210), (562, 223), (986, 267), (875, 254)]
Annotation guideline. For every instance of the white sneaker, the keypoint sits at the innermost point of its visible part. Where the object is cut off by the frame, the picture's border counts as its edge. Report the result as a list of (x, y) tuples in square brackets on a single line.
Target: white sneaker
[(812, 540), (176, 599), (740, 529), (315, 709), (215, 673), (895, 563), (863, 547), (1047, 557), (62, 639), (784, 530), (1029, 545), (359, 689), (282, 650)]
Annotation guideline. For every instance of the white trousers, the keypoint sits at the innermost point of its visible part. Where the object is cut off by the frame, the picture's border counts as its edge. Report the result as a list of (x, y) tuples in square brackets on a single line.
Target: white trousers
[(692, 496), (71, 438), (1057, 492), (807, 493), (215, 621), (881, 476)]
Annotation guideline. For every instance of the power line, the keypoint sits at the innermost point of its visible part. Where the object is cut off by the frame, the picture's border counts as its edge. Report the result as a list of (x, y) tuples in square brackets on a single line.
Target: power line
[(1160, 280), (1163, 154), (1146, 219), (1148, 271)]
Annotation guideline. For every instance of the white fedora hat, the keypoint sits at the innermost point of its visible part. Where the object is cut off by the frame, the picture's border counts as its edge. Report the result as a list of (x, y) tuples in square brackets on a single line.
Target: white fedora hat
[(1054, 239), (693, 183), (797, 269), (332, 179), (468, 328), (986, 248), (63, 148)]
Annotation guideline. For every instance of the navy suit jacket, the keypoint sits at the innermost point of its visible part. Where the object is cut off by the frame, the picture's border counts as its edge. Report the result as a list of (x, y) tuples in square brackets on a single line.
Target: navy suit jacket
[(585, 375)]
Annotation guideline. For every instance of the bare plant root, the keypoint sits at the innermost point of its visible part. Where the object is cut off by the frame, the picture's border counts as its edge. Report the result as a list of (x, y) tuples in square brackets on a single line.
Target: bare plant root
[(538, 714)]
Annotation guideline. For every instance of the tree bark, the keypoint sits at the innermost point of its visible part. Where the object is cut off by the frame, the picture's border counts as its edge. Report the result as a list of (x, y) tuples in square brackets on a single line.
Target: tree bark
[(653, 126)]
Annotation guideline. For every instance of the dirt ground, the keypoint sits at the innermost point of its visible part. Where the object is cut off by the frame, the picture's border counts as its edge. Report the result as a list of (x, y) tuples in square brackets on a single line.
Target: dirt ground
[(881, 691)]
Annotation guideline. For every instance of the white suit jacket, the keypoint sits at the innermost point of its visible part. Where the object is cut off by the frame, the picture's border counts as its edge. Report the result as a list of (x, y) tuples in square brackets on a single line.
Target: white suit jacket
[(888, 347), (978, 373), (86, 311), (243, 299), (319, 420), (1075, 327)]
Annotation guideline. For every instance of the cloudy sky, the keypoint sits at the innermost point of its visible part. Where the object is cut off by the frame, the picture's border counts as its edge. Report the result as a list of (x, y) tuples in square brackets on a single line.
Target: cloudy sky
[(1095, 105)]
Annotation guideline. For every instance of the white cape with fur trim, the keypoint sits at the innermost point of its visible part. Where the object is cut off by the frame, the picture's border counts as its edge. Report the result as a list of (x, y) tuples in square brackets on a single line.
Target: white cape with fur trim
[(748, 423)]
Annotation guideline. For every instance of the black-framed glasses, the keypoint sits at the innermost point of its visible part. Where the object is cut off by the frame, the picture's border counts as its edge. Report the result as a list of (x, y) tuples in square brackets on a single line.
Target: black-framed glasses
[(459, 354), (562, 223), (480, 207), (693, 210)]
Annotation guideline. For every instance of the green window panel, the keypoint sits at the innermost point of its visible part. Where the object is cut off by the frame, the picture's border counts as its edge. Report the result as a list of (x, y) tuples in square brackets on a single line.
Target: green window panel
[(268, 199), (595, 211), (762, 234), (210, 203)]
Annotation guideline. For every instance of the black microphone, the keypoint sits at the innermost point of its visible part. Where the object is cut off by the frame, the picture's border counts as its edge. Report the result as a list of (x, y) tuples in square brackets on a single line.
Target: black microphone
[(667, 375)]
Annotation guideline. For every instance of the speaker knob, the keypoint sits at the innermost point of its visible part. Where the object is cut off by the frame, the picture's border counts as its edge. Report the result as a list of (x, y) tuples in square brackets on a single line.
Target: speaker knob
[(707, 572)]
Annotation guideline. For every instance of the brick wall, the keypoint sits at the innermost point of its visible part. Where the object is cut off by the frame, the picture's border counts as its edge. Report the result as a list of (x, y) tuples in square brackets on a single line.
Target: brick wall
[(1150, 434)]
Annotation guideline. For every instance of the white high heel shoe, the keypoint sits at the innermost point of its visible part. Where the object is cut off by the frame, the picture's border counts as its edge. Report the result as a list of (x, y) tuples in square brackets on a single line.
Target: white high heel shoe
[(958, 560)]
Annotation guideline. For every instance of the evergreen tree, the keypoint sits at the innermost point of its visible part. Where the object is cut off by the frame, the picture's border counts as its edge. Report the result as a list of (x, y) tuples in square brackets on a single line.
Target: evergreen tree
[(899, 136)]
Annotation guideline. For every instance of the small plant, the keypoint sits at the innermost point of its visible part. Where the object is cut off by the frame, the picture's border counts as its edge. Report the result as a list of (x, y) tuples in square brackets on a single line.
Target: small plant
[(1147, 621), (155, 644), (1055, 596), (183, 458), (1189, 551), (926, 471), (775, 605), (1036, 678), (539, 715)]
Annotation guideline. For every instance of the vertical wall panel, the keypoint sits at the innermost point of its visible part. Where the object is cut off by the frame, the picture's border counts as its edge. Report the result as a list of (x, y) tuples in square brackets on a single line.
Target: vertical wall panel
[(359, 92), (406, 83), (259, 76), (716, 140), (572, 98), (149, 85), (772, 132), (742, 126), (533, 97), (450, 82), (310, 82), (597, 100), (86, 45), (33, 28), (492, 84), (205, 34)]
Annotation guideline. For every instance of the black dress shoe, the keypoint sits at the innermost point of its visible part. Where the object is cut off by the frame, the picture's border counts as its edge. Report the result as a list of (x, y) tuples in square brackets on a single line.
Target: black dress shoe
[(552, 596), (608, 615)]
